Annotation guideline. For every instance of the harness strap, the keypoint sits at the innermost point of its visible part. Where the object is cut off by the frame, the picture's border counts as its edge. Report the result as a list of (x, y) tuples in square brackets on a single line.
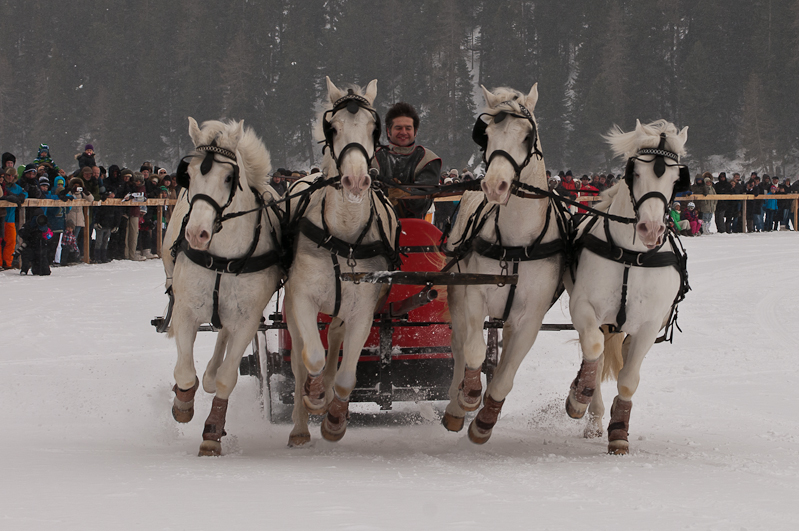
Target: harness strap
[(340, 247), (337, 275), (511, 293), (216, 322), (235, 266), (621, 316)]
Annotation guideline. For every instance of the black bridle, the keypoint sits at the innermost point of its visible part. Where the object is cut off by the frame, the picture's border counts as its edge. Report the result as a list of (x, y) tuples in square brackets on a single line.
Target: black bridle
[(480, 137), (211, 151), (352, 103)]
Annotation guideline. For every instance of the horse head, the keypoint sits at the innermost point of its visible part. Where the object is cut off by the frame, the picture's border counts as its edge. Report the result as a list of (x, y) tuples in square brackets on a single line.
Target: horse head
[(653, 174), (225, 153), (351, 130), (508, 137)]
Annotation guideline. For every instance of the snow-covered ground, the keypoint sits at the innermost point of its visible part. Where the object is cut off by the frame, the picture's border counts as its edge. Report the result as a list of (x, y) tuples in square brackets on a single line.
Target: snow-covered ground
[(89, 442)]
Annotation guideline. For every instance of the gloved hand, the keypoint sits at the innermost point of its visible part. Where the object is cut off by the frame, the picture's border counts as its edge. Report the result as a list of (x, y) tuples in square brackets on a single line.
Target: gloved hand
[(114, 230)]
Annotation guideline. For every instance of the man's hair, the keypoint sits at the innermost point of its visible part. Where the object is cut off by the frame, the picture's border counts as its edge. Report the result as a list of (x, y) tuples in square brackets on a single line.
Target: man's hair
[(401, 109)]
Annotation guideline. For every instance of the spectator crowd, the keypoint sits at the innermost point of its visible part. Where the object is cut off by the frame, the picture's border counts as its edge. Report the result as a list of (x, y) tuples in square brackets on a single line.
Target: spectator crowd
[(52, 235)]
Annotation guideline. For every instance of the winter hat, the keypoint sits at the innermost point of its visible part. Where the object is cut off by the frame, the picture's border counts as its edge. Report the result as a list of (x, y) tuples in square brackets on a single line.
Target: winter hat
[(9, 156), (127, 172), (44, 147), (691, 204), (676, 204), (76, 180), (30, 167), (44, 180), (163, 188), (448, 180), (569, 173), (137, 176), (88, 147), (60, 180), (585, 178)]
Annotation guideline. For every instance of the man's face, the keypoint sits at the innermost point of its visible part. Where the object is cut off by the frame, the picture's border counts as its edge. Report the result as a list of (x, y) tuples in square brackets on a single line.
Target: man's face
[(402, 132), (9, 164), (40, 171), (146, 174), (95, 173)]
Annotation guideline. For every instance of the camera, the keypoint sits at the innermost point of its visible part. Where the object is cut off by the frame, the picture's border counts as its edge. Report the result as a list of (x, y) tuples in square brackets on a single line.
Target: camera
[(79, 189)]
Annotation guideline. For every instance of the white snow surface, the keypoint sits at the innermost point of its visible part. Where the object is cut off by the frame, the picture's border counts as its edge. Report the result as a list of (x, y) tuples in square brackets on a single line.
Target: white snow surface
[(89, 441)]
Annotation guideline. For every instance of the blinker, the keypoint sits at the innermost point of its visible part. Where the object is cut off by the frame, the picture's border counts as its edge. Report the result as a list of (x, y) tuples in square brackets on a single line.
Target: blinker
[(499, 117), (352, 107), (207, 163)]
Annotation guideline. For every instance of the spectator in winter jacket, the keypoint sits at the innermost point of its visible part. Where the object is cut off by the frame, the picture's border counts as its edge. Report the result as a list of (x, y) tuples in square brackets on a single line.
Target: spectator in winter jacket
[(14, 193), (586, 188), (69, 245), (106, 219), (86, 158), (683, 225), (56, 215), (567, 187), (692, 216), (137, 195), (75, 214), (33, 239), (723, 218), (8, 160), (43, 157)]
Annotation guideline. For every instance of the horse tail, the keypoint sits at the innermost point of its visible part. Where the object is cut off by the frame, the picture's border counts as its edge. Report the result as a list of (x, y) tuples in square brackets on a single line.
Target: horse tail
[(615, 346)]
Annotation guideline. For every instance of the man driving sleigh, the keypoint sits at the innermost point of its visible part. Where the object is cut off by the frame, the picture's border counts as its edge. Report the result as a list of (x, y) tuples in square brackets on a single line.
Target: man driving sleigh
[(405, 162)]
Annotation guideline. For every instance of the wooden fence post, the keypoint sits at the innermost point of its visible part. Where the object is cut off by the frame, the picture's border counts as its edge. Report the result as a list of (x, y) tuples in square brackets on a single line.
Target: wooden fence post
[(87, 236), (159, 210)]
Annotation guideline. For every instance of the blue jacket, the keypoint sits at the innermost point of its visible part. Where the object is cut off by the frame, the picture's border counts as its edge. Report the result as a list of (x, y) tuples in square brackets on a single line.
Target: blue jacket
[(57, 215), (11, 212)]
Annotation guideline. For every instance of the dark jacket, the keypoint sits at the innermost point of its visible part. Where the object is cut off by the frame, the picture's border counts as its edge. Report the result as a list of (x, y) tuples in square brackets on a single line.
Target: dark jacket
[(84, 159), (408, 165)]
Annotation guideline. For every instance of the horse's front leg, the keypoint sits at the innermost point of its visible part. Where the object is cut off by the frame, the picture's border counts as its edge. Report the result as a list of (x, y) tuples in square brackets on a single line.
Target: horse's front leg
[(518, 337), (335, 338), (184, 329), (301, 318), (226, 377), (629, 377), (468, 311), (299, 436), (592, 342), (334, 425), (209, 376)]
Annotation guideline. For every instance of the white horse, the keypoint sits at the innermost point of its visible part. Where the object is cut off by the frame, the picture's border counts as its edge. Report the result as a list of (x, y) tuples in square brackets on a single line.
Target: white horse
[(630, 275), (225, 268), (505, 230), (338, 222)]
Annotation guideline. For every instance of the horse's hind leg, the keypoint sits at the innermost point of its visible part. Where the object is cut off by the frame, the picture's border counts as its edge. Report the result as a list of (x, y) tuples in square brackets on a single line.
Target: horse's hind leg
[(186, 382), (209, 377)]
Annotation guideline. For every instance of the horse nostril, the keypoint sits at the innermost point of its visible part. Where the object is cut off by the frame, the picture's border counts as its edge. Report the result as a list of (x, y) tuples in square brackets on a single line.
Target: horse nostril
[(346, 181), (502, 186), (204, 235)]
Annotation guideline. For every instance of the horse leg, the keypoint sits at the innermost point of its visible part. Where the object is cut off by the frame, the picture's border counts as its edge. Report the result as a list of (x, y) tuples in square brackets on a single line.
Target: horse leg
[(186, 382), (634, 352), (474, 352), (454, 415), (209, 377), (226, 378), (335, 337), (334, 425), (299, 436), (592, 341), (302, 319), (517, 342), (596, 410)]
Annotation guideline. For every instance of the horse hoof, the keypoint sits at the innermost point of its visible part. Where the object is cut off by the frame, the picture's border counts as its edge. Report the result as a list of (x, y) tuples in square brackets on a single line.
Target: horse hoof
[(182, 415), (478, 436), (618, 447), (210, 449), (575, 412), (314, 407), (299, 440), (451, 422), (330, 434)]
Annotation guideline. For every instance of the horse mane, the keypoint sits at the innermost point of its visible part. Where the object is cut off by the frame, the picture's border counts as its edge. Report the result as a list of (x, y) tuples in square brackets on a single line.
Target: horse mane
[(626, 145), (255, 159), (510, 98), (328, 164), (607, 197)]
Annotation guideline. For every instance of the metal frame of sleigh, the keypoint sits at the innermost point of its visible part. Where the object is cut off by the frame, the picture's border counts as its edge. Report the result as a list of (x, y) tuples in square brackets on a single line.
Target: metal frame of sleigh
[(408, 356)]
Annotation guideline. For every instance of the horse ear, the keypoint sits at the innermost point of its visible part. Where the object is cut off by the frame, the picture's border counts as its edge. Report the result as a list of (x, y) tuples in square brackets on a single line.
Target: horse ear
[(371, 91), (238, 134), (194, 131), (333, 92), (532, 98), (683, 135), (491, 99)]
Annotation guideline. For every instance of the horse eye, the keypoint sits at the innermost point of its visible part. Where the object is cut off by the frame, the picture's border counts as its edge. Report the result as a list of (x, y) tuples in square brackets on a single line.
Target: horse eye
[(228, 179)]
